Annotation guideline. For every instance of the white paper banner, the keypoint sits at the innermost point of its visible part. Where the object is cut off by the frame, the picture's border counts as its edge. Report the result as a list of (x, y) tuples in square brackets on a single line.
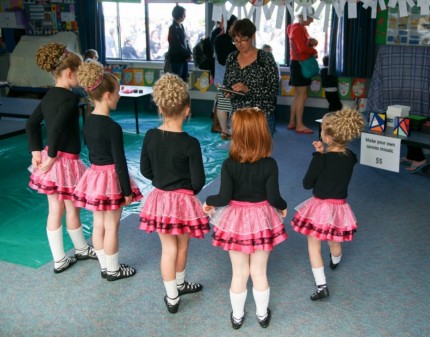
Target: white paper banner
[(217, 12), (352, 9), (380, 151)]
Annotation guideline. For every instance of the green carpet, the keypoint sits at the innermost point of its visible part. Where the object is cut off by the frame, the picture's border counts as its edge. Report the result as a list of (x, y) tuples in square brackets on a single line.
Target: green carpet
[(23, 212)]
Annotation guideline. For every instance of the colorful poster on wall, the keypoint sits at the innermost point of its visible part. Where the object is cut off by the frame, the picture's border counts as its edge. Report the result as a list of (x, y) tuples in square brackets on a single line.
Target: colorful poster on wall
[(315, 89), (149, 78), (286, 88), (203, 82), (345, 87), (127, 76), (138, 77), (358, 88)]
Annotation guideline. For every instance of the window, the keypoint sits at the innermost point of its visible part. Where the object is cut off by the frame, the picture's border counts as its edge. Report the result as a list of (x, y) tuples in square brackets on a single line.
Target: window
[(126, 22), (125, 30), (126, 38)]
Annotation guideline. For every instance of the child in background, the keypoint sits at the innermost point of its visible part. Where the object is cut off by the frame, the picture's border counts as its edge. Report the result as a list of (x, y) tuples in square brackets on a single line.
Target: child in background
[(106, 186), (57, 169), (327, 216), (267, 48), (329, 83), (248, 223), (91, 55), (172, 160)]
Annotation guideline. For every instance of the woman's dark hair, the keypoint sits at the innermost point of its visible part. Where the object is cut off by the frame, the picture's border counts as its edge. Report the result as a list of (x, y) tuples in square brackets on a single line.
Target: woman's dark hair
[(178, 12), (243, 27)]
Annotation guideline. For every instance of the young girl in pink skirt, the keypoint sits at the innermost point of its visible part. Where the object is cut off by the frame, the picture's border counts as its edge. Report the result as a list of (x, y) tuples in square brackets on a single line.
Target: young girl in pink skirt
[(106, 186), (172, 160), (327, 216), (248, 222), (57, 169)]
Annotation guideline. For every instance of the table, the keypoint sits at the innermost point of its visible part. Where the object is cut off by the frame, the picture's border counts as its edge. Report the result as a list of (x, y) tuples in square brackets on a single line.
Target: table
[(135, 92), (17, 107), (15, 111)]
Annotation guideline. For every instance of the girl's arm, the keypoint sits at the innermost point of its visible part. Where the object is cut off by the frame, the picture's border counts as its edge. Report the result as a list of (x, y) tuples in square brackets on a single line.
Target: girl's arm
[(145, 162), (225, 190), (197, 170), (272, 186), (314, 170), (117, 148), (34, 133)]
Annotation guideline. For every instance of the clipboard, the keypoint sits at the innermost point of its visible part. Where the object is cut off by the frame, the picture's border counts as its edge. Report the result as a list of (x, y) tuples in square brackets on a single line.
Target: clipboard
[(230, 91)]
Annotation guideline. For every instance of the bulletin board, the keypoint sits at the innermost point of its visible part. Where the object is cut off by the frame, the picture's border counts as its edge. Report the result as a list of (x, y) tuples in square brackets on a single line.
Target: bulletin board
[(50, 16), (411, 30)]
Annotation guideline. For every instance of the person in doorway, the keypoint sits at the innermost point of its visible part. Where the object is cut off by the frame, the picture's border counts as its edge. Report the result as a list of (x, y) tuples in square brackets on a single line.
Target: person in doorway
[(179, 49), (223, 46), (57, 169), (329, 83), (301, 48)]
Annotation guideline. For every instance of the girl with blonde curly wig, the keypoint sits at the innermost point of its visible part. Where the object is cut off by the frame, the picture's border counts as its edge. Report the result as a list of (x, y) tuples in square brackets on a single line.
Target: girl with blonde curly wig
[(327, 216), (56, 169), (172, 160), (106, 186), (248, 219)]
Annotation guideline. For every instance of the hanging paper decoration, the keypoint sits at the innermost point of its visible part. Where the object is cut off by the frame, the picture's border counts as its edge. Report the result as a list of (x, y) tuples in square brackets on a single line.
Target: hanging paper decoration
[(259, 3), (425, 6), (218, 2), (403, 6), (374, 5), (327, 4), (339, 6), (282, 4), (304, 7), (241, 7)]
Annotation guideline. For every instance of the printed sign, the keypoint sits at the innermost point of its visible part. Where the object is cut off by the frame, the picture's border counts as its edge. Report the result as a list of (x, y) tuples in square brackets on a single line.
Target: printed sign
[(380, 151)]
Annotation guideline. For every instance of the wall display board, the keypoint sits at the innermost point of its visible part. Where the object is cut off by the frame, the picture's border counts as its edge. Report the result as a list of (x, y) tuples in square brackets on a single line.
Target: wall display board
[(50, 17), (411, 30)]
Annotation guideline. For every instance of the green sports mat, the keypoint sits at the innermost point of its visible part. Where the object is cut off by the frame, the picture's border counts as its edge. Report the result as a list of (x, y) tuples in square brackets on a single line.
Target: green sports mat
[(23, 212)]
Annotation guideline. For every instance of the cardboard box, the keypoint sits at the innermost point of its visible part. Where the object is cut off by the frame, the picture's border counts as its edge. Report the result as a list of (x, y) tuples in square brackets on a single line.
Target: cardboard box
[(396, 111)]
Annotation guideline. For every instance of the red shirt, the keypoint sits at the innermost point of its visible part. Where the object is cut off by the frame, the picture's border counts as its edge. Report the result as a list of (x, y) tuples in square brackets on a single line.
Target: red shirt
[(299, 42)]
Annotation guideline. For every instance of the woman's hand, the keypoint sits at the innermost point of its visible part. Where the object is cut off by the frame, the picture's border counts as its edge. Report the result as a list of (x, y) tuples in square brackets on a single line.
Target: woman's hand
[(46, 165), (208, 209), (240, 87), (283, 212), (36, 158), (312, 42), (127, 200), (319, 146)]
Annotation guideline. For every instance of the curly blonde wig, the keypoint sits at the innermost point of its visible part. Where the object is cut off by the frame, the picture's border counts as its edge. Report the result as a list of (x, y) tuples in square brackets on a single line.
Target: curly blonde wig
[(54, 57), (93, 78), (343, 125), (171, 95)]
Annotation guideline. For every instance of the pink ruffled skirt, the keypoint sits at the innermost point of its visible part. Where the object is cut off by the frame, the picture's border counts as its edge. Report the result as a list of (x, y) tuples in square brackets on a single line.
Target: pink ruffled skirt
[(325, 219), (99, 189), (247, 227), (61, 179), (174, 212)]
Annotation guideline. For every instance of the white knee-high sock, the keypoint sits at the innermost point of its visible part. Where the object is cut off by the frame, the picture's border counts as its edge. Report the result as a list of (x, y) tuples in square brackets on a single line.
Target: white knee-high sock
[(171, 291), (238, 304), (336, 259), (180, 278), (112, 263), (101, 256), (319, 276), (55, 239), (261, 299), (78, 238)]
